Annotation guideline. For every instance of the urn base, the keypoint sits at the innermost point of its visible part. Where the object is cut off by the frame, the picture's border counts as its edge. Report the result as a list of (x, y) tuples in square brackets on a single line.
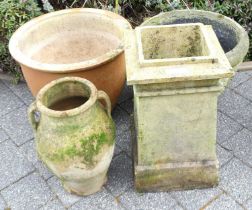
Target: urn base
[(86, 187), (176, 176)]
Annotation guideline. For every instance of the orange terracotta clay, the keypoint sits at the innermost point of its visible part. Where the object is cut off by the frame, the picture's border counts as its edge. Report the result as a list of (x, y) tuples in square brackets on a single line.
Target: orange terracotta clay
[(87, 43), (108, 77)]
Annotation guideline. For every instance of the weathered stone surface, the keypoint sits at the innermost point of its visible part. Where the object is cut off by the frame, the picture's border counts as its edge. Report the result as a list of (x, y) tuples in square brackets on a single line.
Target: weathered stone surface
[(122, 120), (53, 205), (235, 178), (229, 102), (196, 199), (3, 135), (17, 126), (239, 79), (175, 103), (9, 101), (147, 201), (190, 200), (249, 72), (3, 204), (223, 155), (29, 151), (120, 175), (245, 89), (153, 62), (230, 34), (66, 198), (177, 207), (30, 192), (123, 140), (226, 127), (101, 200), (176, 176), (117, 150), (128, 105), (248, 204), (241, 145), (13, 165), (244, 117), (127, 93), (234, 105), (224, 202), (174, 134), (180, 156), (21, 90), (75, 140)]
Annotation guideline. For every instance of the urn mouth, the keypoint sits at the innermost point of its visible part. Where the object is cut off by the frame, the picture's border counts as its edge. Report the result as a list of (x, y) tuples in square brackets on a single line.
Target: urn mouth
[(69, 40), (67, 96)]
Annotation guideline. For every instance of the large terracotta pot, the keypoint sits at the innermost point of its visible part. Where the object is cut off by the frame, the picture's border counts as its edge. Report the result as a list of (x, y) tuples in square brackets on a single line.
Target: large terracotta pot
[(74, 138), (232, 37), (83, 42)]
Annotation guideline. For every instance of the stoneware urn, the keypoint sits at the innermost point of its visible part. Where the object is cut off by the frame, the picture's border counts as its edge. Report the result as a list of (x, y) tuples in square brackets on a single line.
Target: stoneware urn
[(232, 37), (74, 42), (75, 133)]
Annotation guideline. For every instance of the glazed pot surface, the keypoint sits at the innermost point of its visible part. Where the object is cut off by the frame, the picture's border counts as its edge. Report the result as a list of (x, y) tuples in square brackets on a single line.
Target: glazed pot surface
[(75, 134), (73, 42), (232, 37)]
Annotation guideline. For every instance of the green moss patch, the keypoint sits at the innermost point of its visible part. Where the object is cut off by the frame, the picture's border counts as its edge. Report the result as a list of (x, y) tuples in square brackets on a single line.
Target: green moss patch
[(89, 148)]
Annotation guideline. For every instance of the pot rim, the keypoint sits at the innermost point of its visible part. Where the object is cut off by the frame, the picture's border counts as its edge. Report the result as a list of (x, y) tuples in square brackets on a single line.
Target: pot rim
[(21, 58), (71, 112), (237, 54)]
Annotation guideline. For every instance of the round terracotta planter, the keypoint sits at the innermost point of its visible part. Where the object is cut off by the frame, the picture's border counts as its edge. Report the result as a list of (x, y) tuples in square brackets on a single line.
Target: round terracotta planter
[(233, 38), (84, 42)]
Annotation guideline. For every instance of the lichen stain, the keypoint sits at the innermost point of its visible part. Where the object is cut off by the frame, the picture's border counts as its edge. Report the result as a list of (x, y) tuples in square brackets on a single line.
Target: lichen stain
[(89, 147)]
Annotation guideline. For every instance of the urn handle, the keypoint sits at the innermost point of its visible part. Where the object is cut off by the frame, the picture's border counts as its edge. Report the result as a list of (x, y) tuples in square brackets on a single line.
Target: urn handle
[(31, 114), (103, 96)]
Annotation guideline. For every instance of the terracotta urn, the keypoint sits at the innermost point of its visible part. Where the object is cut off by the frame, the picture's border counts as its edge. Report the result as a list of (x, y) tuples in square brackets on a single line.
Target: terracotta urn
[(232, 36), (75, 134), (84, 42)]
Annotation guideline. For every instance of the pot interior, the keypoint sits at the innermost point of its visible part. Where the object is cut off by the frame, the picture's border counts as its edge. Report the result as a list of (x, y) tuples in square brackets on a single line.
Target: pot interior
[(225, 33), (66, 95), (173, 42), (70, 38)]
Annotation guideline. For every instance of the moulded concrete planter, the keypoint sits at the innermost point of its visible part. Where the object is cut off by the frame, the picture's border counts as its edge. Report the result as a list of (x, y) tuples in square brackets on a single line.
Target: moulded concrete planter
[(232, 37), (175, 72), (76, 144), (85, 42)]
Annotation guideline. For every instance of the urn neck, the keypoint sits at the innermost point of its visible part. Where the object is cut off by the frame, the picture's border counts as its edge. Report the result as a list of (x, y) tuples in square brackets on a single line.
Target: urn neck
[(66, 90)]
